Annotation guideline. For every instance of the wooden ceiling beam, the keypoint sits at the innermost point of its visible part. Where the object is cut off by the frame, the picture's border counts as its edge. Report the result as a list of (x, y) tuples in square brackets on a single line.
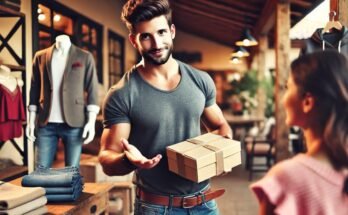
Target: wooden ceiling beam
[(196, 22), (211, 9), (267, 18), (296, 14), (221, 34), (300, 3), (211, 16), (241, 4), (228, 9)]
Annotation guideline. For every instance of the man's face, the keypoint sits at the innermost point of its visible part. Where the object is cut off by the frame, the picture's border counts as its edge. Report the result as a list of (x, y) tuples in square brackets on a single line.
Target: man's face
[(154, 40)]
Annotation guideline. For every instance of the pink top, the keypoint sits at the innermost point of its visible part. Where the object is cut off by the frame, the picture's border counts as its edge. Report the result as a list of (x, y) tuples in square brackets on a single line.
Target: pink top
[(303, 186)]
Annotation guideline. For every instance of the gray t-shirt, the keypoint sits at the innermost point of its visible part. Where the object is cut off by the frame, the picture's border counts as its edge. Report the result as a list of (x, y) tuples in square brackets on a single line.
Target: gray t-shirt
[(161, 118)]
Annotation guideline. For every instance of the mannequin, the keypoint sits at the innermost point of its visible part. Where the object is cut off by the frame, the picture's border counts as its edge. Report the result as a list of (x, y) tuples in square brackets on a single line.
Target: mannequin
[(8, 80), (58, 102)]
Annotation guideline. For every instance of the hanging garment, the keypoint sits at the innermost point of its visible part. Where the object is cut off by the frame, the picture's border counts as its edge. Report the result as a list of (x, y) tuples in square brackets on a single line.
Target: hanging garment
[(12, 113), (321, 41)]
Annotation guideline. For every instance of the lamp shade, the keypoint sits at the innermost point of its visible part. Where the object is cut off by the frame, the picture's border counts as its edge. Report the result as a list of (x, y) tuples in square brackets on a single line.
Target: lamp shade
[(240, 52), (235, 60), (247, 39)]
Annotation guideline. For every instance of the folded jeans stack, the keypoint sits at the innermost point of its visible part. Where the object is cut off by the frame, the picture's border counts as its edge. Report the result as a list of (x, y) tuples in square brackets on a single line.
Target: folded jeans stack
[(15, 200), (61, 184)]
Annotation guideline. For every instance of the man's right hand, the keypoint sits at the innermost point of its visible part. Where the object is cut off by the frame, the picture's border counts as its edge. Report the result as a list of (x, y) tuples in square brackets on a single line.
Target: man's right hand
[(29, 131), (135, 156)]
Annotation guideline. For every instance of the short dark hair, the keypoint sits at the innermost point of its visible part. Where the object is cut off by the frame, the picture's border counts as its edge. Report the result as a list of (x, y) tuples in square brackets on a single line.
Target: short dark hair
[(135, 11), (324, 74)]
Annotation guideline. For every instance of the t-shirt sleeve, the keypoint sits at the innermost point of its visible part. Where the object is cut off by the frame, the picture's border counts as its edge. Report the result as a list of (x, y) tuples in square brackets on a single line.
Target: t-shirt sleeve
[(268, 187), (115, 108), (209, 90), (279, 187)]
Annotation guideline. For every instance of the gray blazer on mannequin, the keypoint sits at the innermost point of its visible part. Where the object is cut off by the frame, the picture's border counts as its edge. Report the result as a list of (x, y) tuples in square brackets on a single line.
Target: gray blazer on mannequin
[(79, 86)]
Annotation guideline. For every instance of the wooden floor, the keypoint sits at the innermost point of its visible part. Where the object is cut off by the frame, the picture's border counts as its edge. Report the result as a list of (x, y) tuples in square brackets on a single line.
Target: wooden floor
[(238, 199)]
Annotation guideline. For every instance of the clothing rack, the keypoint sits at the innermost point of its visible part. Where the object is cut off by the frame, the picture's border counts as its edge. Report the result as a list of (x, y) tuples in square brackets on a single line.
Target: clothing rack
[(19, 25)]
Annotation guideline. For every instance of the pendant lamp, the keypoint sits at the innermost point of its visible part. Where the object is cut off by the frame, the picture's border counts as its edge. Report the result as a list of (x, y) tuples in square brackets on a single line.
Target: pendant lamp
[(240, 52), (235, 60), (247, 39)]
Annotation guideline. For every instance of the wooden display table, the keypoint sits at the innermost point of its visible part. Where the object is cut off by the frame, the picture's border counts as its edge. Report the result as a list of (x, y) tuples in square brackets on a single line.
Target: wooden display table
[(125, 191), (93, 200), (241, 124)]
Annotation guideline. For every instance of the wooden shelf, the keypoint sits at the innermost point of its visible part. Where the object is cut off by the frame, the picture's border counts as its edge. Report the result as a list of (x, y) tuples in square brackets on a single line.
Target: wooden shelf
[(15, 68), (12, 172), (8, 12)]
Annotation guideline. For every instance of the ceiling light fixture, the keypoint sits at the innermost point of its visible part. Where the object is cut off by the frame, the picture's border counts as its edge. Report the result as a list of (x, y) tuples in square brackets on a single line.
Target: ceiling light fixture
[(41, 17), (240, 52), (247, 39), (235, 60), (57, 17)]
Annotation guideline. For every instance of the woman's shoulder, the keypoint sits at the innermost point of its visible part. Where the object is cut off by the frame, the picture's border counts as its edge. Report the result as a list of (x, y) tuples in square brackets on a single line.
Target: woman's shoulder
[(290, 168)]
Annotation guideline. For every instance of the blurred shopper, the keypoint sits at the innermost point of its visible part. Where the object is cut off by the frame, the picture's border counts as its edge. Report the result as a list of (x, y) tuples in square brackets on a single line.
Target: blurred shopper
[(317, 101)]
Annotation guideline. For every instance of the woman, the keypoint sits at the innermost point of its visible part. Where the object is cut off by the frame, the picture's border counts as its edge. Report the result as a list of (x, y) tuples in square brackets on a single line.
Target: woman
[(317, 101)]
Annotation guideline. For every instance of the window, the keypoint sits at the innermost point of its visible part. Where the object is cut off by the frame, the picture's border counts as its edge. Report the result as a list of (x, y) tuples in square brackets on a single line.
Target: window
[(116, 57), (54, 19)]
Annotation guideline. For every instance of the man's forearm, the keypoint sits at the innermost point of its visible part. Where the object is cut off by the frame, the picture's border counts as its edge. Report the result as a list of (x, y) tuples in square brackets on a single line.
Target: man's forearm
[(113, 163)]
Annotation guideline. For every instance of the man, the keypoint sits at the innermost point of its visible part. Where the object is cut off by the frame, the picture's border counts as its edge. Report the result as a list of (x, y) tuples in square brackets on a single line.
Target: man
[(160, 102)]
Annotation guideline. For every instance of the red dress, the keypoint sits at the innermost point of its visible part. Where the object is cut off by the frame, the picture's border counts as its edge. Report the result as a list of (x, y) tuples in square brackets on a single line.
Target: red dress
[(12, 113)]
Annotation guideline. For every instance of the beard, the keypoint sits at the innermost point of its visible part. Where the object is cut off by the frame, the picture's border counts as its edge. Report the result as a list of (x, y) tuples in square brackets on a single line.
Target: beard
[(167, 52)]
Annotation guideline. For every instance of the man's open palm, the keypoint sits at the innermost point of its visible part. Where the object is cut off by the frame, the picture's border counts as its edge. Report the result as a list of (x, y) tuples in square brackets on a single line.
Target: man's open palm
[(138, 159)]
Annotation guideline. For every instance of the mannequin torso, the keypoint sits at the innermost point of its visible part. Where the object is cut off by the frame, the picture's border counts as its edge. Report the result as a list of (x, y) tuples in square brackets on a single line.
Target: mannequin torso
[(8, 80), (59, 60)]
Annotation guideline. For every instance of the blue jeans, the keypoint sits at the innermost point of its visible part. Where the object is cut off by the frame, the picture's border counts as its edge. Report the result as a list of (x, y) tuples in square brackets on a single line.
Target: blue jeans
[(46, 179), (207, 208), (64, 197), (47, 141)]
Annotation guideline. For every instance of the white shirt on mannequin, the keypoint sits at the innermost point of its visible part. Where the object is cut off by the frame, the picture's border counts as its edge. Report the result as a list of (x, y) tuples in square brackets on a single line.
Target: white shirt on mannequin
[(59, 59)]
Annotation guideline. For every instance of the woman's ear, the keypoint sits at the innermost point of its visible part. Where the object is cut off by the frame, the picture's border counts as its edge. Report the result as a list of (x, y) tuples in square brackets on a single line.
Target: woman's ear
[(308, 103)]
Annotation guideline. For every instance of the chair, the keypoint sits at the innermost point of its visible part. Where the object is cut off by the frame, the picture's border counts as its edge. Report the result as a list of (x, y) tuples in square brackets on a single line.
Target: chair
[(260, 146)]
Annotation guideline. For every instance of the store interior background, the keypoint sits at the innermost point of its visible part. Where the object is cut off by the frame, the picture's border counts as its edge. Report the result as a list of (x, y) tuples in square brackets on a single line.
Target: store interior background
[(213, 57)]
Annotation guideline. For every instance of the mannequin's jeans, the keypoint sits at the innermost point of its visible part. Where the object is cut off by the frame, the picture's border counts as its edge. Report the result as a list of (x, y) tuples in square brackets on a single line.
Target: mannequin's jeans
[(46, 143)]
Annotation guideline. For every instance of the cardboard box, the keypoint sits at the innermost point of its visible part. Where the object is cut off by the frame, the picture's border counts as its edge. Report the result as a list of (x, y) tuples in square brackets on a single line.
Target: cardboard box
[(203, 157)]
